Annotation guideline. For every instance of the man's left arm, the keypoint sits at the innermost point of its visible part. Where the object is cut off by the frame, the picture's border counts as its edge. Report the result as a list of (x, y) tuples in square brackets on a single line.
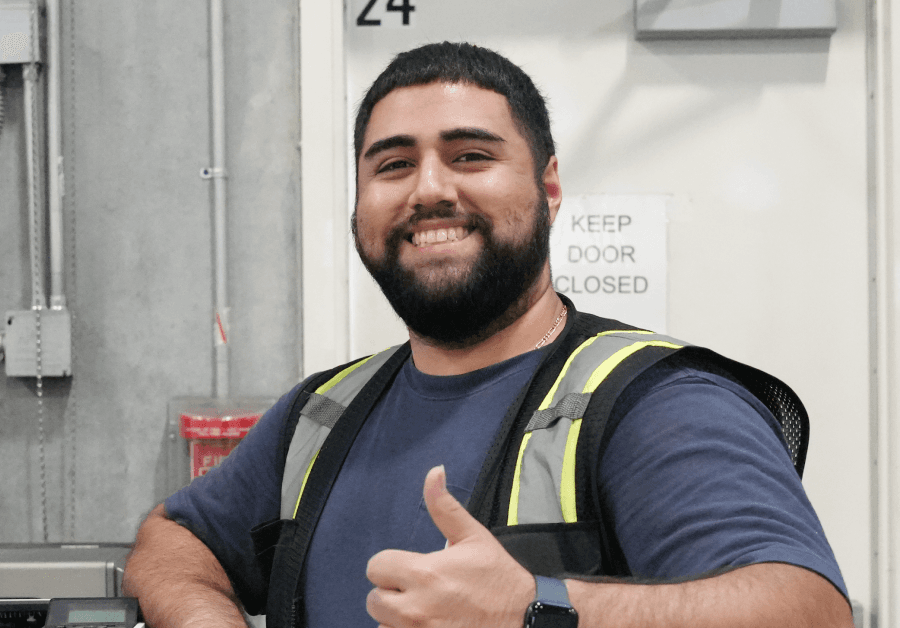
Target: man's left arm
[(764, 594), (474, 581)]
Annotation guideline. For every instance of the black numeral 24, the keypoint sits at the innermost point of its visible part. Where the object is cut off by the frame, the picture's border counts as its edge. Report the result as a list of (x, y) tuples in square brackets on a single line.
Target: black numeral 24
[(392, 5)]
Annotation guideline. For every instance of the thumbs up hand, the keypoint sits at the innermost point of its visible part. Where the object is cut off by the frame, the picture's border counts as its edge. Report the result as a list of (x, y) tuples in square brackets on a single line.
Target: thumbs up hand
[(472, 582)]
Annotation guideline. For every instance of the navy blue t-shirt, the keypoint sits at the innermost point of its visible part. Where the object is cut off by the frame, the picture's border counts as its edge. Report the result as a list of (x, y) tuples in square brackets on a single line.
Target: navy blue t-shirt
[(695, 476)]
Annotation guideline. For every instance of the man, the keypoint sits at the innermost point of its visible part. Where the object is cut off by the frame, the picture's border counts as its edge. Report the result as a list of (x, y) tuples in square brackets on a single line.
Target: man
[(689, 488)]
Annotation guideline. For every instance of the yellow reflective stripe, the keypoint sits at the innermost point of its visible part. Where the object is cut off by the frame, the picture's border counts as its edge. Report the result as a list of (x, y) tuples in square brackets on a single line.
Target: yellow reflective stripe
[(337, 378), (549, 398), (513, 517), (303, 486), (617, 358), (567, 484)]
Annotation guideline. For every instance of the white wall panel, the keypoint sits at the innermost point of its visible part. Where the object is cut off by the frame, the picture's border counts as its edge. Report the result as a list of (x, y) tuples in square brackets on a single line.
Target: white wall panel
[(762, 145)]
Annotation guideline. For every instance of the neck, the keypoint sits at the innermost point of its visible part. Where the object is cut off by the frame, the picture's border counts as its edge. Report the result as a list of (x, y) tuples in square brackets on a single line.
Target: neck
[(540, 312)]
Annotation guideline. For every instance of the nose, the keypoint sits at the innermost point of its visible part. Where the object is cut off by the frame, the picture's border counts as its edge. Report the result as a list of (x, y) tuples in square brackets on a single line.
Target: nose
[(434, 184)]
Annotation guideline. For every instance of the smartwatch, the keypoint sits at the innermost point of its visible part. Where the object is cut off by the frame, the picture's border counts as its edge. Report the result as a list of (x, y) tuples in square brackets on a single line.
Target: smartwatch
[(551, 607)]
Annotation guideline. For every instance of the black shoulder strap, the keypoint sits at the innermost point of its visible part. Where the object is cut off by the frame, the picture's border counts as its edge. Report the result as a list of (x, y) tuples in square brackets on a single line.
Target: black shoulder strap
[(297, 405), (490, 499), (266, 535), (590, 449), (285, 605)]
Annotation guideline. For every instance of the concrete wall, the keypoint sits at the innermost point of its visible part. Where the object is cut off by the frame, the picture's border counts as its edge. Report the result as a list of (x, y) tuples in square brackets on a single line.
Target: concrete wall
[(139, 252)]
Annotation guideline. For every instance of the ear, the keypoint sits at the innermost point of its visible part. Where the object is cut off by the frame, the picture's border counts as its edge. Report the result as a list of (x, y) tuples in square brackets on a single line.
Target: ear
[(552, 187)]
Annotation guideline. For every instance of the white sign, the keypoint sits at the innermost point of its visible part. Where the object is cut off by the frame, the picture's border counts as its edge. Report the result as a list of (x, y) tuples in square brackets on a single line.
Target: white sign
[(608, 254)]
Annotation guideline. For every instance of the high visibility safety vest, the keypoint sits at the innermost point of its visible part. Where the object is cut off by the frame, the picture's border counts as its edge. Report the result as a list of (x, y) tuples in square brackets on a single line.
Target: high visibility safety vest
[(536, 491)]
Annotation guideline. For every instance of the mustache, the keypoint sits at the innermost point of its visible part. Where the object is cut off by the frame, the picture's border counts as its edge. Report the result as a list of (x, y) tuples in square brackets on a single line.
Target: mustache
[(441, 210)]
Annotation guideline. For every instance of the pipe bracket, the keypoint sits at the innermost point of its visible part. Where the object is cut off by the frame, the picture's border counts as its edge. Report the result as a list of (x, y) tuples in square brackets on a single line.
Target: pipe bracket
[(213, 173)]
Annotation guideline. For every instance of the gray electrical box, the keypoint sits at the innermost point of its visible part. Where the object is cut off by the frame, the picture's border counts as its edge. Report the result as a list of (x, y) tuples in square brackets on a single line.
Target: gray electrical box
[(704, 19), (22, 348), (16, 45), (48, 571)]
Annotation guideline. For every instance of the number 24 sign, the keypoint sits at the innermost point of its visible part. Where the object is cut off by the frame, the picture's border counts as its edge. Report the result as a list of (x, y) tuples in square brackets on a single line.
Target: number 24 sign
[(403, 6)]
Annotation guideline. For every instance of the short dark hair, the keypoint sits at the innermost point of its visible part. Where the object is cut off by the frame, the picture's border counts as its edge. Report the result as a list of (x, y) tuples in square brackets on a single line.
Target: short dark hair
[(465, 63)]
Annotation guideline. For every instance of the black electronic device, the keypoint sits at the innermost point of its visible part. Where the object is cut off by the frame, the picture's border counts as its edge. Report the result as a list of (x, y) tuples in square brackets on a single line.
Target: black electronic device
[(92, 612), (23, 613)]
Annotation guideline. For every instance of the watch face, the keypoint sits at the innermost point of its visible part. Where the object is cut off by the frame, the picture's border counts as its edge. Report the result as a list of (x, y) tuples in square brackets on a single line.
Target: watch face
[(542, 615)]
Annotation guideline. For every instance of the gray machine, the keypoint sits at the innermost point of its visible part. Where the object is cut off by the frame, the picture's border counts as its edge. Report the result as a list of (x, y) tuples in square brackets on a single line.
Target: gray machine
[(61, 570), (65, 586)]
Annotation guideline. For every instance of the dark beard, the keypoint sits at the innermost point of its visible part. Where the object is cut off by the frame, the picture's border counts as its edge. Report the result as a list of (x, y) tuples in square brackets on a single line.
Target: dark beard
[(462, 311)]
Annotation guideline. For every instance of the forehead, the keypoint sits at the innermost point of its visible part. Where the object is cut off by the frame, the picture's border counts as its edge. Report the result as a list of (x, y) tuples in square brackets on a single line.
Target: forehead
[(424, 111)]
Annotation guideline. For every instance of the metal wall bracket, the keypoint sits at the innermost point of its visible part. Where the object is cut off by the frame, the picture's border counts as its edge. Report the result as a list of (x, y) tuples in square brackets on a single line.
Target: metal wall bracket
[(213, 173)]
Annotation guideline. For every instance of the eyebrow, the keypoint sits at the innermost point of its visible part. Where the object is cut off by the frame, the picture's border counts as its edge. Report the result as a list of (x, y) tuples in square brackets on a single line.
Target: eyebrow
[(394, 141), (470, 133), (408, 141)]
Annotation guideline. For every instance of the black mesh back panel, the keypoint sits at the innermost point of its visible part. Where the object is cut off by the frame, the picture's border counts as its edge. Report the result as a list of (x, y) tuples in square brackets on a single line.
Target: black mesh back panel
[(784, 405)]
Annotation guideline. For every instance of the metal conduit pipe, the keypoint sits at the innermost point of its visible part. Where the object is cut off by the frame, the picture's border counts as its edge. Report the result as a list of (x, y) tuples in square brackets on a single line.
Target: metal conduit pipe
[(217, 69), (35, 217), (2, 77), (54, 155)]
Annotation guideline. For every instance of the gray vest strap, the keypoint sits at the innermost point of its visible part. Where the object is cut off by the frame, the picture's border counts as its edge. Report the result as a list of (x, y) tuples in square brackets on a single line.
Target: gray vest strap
[(322, 410)]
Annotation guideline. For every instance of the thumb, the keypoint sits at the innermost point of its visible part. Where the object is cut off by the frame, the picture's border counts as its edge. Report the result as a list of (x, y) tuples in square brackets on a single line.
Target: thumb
[(450, 517)]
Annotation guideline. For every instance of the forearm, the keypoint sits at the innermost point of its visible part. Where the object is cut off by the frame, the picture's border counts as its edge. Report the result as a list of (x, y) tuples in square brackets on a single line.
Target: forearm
[(179, 583), (767, 595)]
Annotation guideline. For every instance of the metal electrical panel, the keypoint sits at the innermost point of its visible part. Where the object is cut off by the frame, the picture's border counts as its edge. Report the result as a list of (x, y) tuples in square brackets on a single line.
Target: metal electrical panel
[(704, 19), (21, 343), (16, 33)]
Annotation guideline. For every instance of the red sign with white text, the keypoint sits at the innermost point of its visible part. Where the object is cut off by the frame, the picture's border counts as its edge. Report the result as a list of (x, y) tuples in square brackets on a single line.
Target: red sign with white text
[(212, 438)]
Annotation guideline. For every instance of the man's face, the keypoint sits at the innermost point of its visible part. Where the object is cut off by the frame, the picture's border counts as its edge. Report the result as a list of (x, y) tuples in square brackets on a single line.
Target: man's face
[(449, 218)]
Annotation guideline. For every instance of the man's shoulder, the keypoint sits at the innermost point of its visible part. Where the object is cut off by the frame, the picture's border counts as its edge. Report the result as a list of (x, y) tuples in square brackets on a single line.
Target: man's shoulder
[(586, 323), (692, 360), (368, 364), (699, 370), (612, 345)]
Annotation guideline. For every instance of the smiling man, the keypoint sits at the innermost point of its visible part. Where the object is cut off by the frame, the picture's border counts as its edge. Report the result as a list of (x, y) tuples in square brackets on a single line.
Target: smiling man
[(516, 462)]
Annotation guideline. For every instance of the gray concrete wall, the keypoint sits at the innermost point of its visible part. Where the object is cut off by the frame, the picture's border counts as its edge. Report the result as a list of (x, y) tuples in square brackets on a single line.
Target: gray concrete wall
[(139, 252)]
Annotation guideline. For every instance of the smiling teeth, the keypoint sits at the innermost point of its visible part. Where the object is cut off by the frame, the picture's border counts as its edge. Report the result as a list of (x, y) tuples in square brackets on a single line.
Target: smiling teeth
[(436, 236)]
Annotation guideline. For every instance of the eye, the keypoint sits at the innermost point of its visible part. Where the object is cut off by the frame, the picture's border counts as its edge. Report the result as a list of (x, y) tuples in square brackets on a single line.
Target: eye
[(472, 157), (391, 166)]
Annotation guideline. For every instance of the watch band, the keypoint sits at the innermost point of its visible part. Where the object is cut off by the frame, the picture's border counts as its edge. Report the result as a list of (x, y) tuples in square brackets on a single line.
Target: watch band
[(551, 607), (551, 591)]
